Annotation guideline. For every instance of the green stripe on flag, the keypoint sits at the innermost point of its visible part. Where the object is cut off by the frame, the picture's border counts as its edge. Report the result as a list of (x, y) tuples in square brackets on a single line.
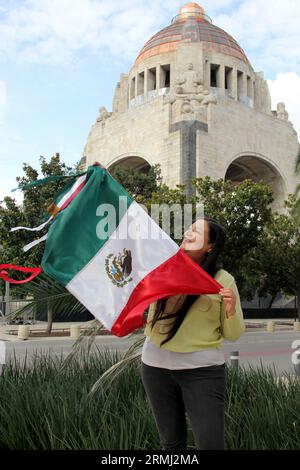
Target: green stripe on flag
[(72, 239), (58, 196), (48, 179)]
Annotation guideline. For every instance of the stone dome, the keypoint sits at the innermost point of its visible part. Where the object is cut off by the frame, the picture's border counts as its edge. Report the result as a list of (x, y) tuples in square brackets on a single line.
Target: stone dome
[(192, 25)]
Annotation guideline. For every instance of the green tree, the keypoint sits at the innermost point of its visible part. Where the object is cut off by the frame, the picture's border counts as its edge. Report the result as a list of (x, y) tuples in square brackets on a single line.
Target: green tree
[(296, 208), (277, 256), (243, 209), (139, 184), (29, 214)]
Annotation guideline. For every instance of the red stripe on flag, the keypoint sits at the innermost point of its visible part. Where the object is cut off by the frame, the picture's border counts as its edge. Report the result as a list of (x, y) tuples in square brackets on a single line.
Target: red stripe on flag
[(177, 275), (4, 274), (67, 202)]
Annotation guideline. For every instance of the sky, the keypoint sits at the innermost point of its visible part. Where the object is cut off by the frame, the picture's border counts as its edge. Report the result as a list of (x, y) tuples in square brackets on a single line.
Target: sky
[(60, 60)]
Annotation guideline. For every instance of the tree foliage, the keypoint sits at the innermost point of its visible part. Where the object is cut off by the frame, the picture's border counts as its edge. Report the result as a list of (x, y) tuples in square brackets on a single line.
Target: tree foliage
[(276, 258), (138, 183), (243, 209), (30, 213), (262, 249), (296, 208)]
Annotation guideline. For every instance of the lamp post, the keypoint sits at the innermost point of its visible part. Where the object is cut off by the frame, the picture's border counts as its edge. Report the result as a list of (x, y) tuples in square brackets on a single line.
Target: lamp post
[(7, 306), (234, 359), (6, 297)]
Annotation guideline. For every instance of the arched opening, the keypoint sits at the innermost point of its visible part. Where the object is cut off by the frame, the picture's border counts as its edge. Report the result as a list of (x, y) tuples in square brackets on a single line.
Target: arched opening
[(258, 169), (134, 163)]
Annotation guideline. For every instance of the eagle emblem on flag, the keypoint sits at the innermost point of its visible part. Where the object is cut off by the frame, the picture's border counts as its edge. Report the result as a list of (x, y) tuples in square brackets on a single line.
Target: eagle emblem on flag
[(118, 267), (90, 266)]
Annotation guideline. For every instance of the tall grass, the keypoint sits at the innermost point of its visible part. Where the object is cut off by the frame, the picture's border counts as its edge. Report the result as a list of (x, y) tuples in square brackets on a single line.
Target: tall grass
[(47, 404), (262, 413)]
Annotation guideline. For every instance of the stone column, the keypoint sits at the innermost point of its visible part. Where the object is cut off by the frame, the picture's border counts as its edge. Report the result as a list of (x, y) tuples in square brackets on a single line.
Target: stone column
[(221, 80), (250, 85), (131, 90), (234, 91), (207, 75), (221, 77), (145, 82), (136, 84), (188, 146), (150, 80), (244, 85), (158, 77), (162, 77)]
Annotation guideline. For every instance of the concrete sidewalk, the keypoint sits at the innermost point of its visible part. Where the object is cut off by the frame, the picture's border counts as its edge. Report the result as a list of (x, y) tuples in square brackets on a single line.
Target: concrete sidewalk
[(10, 332), (279, 323)]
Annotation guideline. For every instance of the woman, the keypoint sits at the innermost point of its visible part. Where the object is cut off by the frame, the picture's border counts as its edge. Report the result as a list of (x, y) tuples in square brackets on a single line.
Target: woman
[(183, 368)]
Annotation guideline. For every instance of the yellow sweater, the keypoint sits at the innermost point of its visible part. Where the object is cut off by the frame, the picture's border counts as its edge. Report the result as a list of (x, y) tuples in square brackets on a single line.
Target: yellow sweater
[(205, 324)]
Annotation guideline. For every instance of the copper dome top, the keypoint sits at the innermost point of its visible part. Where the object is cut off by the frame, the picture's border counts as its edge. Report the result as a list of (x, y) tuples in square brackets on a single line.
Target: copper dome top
[(192, 25)]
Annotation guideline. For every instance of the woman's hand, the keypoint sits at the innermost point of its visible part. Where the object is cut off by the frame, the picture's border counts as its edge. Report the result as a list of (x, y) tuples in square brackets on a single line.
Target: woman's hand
[(229, 297)]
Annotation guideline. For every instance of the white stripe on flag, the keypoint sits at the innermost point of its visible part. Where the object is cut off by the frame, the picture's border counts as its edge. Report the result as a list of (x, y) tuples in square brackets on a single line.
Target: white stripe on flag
[(75, 186), (34, 243), (35, 229), (72, 190), (92, 285)]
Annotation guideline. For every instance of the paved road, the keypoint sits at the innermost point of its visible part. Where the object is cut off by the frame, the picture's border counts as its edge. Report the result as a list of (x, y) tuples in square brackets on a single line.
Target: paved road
[(267, 349), (255, 348)]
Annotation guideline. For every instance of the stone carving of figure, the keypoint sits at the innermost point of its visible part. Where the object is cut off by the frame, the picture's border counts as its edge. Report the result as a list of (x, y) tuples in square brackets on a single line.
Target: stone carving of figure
[(208, 98), (188, 81), (189, 90), (281, 112), (103, 114), (186, 107)]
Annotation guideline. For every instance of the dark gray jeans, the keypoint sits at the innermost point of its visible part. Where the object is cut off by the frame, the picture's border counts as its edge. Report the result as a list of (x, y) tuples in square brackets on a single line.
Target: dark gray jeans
[(198, 392)]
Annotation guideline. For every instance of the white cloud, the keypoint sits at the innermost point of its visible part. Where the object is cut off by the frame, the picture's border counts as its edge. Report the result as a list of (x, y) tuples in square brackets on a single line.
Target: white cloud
[(212, 8), (2, 100), (286, 88), (268, 31), (53, 31), (17, 195)]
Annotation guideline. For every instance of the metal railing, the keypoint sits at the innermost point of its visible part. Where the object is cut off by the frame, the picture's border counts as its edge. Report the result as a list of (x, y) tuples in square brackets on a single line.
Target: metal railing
[(148, 97), (7, 310), (190, 15), (220, 92)]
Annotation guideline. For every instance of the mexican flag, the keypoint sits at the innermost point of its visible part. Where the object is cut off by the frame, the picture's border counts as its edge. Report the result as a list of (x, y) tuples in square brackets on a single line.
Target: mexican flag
[(106, 250)]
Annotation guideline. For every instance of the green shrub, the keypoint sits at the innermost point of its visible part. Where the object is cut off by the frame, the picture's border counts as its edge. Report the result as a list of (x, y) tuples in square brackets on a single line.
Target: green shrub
[(46, 404)]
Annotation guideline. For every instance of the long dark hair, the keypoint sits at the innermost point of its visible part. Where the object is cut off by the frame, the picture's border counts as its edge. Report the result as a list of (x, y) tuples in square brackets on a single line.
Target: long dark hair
[(211, 265)]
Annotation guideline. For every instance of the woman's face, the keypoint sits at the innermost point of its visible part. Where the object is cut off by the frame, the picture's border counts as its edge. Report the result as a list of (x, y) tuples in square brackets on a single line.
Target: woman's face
[(196, 240)]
